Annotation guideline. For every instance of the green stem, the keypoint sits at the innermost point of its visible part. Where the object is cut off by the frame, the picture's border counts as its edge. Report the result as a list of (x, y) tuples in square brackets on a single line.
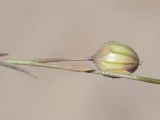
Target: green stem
[(129, 76), (15, 67), (32, 63), (47, 60), (105, 73)]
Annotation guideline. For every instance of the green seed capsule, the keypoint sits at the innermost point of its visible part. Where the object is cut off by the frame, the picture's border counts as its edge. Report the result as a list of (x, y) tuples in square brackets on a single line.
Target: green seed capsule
[(116, 56)]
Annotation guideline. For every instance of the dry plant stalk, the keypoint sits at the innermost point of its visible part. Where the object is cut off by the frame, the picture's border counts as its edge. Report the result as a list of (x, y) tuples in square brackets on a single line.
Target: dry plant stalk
[(114, 59)]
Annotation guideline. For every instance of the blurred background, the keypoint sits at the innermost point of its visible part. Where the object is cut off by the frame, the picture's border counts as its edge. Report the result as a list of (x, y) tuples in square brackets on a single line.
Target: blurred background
[(77, 28)]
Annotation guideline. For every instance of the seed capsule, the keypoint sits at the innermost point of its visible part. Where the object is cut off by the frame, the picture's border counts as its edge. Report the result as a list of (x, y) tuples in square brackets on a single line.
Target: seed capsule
[(116, 56)]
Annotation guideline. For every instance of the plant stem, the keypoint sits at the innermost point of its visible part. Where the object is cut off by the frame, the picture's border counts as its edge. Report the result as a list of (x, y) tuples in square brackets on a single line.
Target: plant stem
[(84, 69), (47, 60), (12, 66), (128, 76)]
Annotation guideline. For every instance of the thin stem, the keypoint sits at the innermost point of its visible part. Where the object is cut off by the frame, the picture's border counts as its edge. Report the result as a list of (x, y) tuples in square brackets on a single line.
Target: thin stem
[(47, 60), (32, 63), (85, 69), (15, 67), (128, 76)]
